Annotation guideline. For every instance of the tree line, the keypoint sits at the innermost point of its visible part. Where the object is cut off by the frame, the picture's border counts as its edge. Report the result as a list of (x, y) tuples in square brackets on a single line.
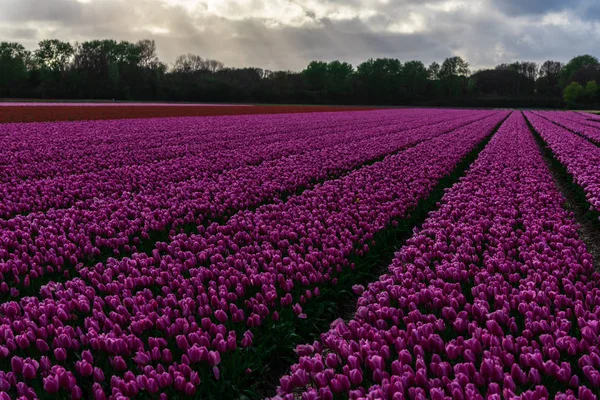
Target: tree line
[(122, 70)]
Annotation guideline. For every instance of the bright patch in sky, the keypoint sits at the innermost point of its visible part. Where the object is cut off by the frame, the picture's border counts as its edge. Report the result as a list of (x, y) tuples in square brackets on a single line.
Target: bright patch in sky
[(190, 5), (556, 18), (157, 30), (274, 12), (412, 24)]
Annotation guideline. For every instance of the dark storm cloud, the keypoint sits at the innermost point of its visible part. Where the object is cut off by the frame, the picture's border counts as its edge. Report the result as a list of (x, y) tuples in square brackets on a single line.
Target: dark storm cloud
[(591, 11), (485, 32), (40, 10), (22, 33), (586, 10), (520, 7)]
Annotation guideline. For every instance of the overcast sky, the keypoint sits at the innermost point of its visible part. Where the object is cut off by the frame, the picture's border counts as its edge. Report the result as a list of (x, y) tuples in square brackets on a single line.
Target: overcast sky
[(287, 34)]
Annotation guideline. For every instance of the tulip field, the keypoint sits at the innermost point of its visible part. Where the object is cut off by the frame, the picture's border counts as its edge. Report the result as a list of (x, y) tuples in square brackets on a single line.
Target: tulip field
[(43, 112), (297, 254)]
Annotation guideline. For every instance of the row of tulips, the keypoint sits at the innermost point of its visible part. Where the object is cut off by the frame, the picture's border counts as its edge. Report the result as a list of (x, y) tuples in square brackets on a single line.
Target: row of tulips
[(186, 316), (574, 122), (55, 241), (494, 297), (590, 119), (37, 151), (138, 156), (583, 118), (580, 157), (593, 117)]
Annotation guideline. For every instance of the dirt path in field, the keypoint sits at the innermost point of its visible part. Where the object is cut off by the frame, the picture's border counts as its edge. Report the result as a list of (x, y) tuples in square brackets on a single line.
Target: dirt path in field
[(49, 113)]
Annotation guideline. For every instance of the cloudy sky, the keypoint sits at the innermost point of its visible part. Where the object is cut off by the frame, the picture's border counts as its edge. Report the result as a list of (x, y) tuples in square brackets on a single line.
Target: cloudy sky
[(287, 34)]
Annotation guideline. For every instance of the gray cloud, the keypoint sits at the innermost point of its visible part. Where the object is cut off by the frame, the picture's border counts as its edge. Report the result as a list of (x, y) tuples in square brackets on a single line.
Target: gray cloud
[(520, 7), (40, 11), (287, 34)]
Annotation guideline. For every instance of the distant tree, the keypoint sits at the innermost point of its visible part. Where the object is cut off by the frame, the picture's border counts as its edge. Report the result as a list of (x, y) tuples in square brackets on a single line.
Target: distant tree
[(329, 81), (148, 75), (590, 91), (191, 63), (214, 65), (95, 57), (339, 80), (283, 87), (147, 54), (15, 62), (54, 54), (530, 70), (525, 74), (577, 64), (433, 71), (415, 77), (242, 83), (549, 77), (497, 81), (453, 76), (316, 74), (454, 66), (380, 80), (550, 68), (472, 86), (573, 94), (14, 51), (53, 58), (188, 63), (585, 75), (105, 69)]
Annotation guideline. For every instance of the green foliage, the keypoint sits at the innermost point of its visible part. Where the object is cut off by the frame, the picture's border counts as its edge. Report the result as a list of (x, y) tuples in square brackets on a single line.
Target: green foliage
[(577, 64), (549, 77), (454, 66), (14, 63), (433, 72), (110, 69), (415, 75), (329, 80), (573, 94), (316, 75), (453, 76), (339, 79), (54, 54), (147, 54), (380, 80), (472, 86), (590, 91)]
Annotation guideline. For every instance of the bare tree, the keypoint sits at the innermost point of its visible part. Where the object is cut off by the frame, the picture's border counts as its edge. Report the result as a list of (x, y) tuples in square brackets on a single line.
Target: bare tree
[(148, 57), (214, 65), (190, 63)]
